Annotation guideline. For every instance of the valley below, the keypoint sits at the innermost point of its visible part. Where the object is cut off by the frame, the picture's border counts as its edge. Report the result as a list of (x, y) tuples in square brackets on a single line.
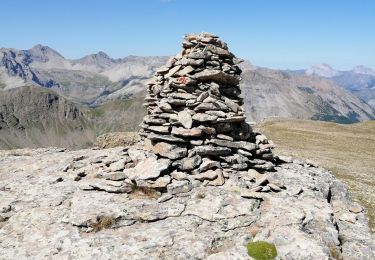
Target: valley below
[(347, 150)]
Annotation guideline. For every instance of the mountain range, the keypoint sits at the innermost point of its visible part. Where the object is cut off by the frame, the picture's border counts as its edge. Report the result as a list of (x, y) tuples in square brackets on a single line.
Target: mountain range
[(108, 94), (360, 81)]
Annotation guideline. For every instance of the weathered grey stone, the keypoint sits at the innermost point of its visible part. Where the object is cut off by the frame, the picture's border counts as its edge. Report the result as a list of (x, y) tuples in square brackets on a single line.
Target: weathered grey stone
[(232, 119), (177, 175), (105, 185), (114, 176), (219, 179), (184, 71), (219, 51), (237, 144), (212, 150), (199, 55), (180, 131), (182, 95), (356, 209), (154, 121), (196, 142), (232, 105), (176, 101), (261, 181), (168, 138), (162, 70), (160, 182), (165, 198), (207, 175), (207, 130), (159, 129), (267, 166), (185, 119), (210, 99), (235, 158), (208, 164), (170, 151), (169, 116), (240, 166), (261, 139), (192, 62), (148, 169), (216, 113), (224, 137), (218, 106), (217, 76), (251, 195), (177, 187), (188, 164), (245, 153), (201, 117), (165, 107), (173, 71), (287, 159), (136, 154), (117, 166), (203, 96), (274, 187)]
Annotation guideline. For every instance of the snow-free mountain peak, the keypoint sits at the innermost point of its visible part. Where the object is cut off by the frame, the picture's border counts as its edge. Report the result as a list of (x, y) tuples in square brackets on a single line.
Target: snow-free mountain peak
[(96, 62), (323, 70), (360, 69)]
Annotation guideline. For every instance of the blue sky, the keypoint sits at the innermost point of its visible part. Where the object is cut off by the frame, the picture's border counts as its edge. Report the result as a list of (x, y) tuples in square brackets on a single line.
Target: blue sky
[(272, 33)]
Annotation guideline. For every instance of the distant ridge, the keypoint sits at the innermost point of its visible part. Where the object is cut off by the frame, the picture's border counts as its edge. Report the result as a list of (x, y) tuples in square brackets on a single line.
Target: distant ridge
[(360, 81), (114, 89)]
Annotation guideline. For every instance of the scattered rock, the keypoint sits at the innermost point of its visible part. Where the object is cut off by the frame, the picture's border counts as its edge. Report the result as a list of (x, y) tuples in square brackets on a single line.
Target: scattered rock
[(188, 164), (193, 132), (207, 175), (170, 151), (118, 166), (148, 169), (208, 164), (185, 119), (177, 187), (201, 117)]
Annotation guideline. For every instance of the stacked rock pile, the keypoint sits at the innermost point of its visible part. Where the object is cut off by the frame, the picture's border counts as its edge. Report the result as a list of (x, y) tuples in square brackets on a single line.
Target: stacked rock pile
[(196, 122)]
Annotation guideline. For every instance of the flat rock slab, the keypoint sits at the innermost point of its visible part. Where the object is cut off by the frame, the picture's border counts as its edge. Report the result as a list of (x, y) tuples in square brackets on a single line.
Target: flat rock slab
[(46, 214), (148, 169)]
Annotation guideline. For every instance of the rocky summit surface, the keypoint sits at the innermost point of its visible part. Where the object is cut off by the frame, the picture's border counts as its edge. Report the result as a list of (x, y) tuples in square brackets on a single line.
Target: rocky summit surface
[(58, 204), (198, 184)]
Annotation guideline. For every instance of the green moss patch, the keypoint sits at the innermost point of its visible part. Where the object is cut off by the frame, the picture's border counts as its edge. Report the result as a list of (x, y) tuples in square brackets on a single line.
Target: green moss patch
[(261, 250)]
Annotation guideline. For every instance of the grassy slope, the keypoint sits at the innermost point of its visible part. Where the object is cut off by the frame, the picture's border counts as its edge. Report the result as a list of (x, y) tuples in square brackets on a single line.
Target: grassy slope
[(347, 150), (49, 127), (118, 115)]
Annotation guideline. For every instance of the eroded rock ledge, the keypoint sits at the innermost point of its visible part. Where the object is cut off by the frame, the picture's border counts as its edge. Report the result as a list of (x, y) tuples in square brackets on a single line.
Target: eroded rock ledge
[(62, 204)]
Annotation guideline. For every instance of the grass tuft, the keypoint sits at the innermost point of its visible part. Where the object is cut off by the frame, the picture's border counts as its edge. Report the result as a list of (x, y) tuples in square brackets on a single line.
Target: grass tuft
[(144, 193), (104, 222)]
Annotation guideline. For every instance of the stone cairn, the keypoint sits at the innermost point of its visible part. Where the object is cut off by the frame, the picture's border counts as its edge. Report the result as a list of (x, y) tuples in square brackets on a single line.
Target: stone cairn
[(195, 128)]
